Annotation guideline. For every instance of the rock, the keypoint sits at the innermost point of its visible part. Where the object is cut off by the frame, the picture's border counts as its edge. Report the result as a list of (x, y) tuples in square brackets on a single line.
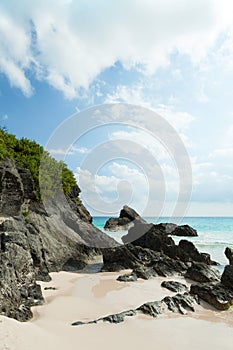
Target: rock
[(216, 294), (148, 236), (202, 273), (174, 286), (34, 243), (153, 308), (127, 257), (117, 224), (132, 277), (125, 220), (184, 230), (188, 252), (181, 303), (156, 238), (50, 288), (166, 266), (117, 318), (229, 255), (145, 272), (227, 277)]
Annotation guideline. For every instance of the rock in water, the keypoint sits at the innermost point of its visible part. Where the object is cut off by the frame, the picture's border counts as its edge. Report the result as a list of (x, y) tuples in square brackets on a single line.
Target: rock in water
[(125, 220), (184, 230)]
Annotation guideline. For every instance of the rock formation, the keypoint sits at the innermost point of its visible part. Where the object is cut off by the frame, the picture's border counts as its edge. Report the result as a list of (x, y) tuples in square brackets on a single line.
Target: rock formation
[(33, 243), (125, 220)]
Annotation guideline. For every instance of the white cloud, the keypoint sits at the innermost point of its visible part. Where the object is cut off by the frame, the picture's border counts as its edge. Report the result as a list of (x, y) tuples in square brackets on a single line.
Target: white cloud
[(69, 43)]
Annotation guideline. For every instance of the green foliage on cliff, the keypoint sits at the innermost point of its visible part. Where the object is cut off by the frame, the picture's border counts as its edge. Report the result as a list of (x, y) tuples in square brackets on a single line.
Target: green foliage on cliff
[(29, 154)]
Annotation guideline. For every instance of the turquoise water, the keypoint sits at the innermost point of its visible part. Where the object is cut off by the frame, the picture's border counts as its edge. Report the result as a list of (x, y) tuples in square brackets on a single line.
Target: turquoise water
[(214, 233)]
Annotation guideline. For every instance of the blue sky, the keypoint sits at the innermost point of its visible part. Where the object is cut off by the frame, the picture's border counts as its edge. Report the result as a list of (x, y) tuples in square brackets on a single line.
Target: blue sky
[(173, 57)]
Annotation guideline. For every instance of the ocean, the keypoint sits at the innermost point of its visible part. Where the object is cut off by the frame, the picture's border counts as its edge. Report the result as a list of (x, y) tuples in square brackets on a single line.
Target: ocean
[(214, 234)]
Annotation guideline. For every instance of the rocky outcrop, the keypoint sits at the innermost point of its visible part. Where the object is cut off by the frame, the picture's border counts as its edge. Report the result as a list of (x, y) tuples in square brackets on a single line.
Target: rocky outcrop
[(125, 220), (174, 286), (184, 230), (202, 273), (143, 261), (155, 238), (179, 303), (229, 255), (34, 243), (215, 294), (220, 294)]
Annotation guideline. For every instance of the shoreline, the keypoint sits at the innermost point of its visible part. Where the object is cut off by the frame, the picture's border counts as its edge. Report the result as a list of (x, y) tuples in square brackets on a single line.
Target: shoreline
[(84, 297)]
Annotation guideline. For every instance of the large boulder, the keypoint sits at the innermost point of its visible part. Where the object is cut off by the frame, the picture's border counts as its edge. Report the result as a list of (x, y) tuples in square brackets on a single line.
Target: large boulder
[(215, 294), (199, 272), (125, 220)]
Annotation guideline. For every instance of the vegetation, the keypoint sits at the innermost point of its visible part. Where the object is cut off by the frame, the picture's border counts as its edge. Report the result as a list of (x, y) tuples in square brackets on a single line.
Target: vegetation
[(29, 154)]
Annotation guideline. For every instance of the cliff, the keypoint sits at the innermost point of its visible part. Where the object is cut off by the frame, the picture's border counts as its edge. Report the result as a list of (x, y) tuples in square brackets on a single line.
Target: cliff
[(33, 243)]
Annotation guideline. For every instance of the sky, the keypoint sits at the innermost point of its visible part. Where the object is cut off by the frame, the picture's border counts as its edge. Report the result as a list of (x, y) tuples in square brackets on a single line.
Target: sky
[(173, 57)]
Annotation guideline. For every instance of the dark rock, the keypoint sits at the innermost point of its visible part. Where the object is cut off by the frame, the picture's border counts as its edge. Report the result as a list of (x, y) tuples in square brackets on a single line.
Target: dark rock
[(216, 294), (127, 277), (155, 237), (34, 243), (50, 288), (181, 303), (184, 230), (202, 273), (145, 272), (117, 224), (174, 286), (125, 220), (166, 266), (127, 257), (227, 277), (229, 255), (152, 308), (188, 252), (73, 265), (117, 318)]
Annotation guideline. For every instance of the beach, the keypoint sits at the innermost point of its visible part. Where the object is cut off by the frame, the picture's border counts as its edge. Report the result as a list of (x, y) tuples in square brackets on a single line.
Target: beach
[(85, 297)]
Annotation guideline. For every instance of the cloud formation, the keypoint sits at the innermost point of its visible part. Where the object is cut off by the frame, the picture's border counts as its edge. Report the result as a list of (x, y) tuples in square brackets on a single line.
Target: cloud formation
[(69, 43)]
